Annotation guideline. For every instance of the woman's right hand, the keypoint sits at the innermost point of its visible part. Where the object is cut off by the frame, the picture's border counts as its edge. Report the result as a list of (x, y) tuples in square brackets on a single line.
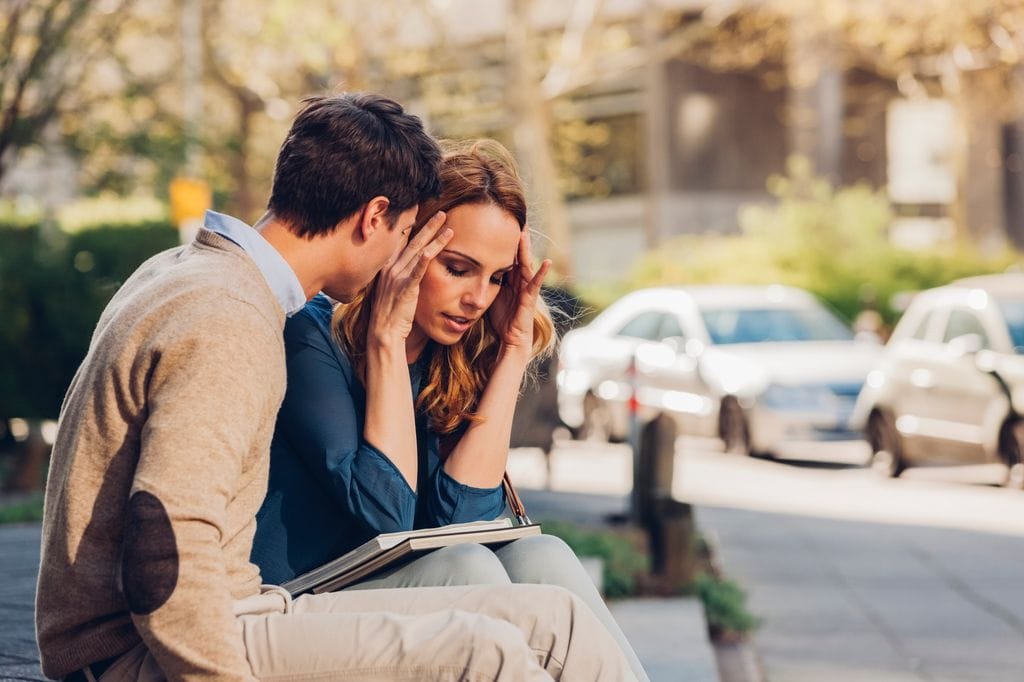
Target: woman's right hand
[(397, 287)]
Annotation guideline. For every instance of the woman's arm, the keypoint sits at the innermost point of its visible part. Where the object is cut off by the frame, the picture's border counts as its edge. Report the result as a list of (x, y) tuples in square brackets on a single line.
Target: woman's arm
[(480, 457), (390, 420), (320, 421)]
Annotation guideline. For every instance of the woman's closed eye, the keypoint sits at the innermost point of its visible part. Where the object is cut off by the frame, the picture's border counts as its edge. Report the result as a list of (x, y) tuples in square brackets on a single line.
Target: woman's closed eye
[(497, 278), (456, 272)]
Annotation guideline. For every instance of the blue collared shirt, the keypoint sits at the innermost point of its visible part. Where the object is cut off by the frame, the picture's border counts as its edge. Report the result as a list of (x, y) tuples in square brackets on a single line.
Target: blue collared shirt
[(279, 275)]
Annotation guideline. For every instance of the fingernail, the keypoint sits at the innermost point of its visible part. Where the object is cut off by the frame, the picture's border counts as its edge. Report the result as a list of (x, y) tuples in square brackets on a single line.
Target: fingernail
[(447, 233)]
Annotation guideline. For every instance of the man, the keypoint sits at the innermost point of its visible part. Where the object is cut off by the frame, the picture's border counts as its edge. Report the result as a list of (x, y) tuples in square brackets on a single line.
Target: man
[(160, 462)]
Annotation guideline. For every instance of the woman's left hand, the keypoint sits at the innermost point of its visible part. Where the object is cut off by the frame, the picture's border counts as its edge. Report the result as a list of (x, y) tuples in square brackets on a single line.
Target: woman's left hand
[(513, 310)]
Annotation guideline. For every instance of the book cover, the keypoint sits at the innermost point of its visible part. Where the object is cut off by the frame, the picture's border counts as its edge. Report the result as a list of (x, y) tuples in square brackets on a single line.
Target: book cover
[(388, 548)]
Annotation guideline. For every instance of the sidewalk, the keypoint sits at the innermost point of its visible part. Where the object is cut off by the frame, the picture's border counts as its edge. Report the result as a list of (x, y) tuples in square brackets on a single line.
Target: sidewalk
[(669, 635)]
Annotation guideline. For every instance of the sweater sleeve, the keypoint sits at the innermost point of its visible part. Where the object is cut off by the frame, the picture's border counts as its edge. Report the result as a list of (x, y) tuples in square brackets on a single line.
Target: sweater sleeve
[(321, 420), (204, 399)]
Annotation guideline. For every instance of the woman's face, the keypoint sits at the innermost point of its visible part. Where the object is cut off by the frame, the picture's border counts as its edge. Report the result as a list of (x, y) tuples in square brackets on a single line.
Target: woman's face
[(463, 280)]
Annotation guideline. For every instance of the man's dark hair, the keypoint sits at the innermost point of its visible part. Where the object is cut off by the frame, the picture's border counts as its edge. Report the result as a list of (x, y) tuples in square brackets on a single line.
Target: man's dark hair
[(344, 150)]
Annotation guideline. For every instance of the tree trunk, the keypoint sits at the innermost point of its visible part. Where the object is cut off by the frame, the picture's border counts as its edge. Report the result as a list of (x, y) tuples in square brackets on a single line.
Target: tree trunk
[(531, 116), (242, 199)]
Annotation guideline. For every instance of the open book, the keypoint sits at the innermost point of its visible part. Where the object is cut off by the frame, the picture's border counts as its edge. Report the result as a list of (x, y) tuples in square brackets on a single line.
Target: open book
[(387, 548)]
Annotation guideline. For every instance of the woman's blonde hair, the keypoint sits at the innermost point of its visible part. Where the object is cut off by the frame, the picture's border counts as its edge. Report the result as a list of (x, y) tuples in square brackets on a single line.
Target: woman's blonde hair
[(472, 173)]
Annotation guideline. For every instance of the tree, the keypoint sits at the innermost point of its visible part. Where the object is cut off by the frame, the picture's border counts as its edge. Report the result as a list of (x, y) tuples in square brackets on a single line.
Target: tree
[(45, 48)]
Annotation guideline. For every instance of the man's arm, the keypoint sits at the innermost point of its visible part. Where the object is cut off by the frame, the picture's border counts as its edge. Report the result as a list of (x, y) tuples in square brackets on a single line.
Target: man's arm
[(208, 394)]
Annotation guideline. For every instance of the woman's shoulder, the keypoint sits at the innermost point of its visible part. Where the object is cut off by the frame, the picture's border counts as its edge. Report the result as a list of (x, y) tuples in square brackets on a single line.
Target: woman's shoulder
[(314, 317)]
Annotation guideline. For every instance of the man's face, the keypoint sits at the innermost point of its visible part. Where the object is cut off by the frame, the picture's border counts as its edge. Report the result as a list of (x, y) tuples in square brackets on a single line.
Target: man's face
[(358, 266)]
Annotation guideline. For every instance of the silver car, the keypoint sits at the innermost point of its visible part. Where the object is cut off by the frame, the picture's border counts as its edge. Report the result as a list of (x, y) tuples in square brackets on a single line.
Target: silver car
[(758, 366), (949, 387)]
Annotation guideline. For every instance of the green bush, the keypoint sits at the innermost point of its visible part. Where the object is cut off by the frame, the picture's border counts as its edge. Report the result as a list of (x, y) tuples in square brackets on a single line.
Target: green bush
[(24, 511), (624, 565), (725, 605), (830, 241), (53, 287)]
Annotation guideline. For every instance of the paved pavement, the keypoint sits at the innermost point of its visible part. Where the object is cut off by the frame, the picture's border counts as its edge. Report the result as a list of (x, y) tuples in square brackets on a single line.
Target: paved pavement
[(862, 579), (669, 635), (19, 562)]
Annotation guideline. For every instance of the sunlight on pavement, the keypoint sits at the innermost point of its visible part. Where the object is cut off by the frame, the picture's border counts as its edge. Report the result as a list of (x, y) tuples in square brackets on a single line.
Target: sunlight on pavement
[(578, 467), (961, 497), (938, 498)]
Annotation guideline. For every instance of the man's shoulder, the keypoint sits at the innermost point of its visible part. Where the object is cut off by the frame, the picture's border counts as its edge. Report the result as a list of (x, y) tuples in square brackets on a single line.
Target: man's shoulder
[(189, 290)]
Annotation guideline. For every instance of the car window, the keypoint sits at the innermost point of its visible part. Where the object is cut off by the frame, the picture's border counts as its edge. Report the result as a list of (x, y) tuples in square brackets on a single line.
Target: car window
[(644, 326), (774, 324), (670, 328), (962, 322), (921, 332), (1013, 314)]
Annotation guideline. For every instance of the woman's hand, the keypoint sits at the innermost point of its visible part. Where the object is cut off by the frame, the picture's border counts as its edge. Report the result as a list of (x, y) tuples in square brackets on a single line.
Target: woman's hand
[(397, 287), (513, 310)]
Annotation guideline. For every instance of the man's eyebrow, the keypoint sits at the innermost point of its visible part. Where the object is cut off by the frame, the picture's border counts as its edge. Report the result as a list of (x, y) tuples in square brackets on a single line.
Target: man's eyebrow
[(474, 261)]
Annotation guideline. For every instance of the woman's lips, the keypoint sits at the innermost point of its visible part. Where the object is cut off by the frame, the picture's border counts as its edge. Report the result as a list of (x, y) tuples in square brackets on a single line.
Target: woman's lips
[(456, 324)]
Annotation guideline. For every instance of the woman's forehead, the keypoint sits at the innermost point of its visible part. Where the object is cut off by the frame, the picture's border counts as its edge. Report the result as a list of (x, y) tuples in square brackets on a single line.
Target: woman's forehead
[(485, 233)]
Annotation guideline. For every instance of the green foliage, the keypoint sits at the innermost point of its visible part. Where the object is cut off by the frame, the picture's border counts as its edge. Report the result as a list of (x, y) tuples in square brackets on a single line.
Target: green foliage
[(624, 565), (830, 241), (24, 511), (53, 287), (725, 604)]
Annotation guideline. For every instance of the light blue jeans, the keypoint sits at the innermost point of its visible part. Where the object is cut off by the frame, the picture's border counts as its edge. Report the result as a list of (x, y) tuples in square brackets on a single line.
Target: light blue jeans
[(539, 559)]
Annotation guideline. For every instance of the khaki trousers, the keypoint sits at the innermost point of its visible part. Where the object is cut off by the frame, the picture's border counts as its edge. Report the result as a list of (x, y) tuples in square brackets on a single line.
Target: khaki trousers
[(477, 632)]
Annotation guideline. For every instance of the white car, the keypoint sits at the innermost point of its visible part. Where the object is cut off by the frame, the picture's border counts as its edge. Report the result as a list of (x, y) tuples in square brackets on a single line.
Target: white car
[(949, 387), (758, 366)]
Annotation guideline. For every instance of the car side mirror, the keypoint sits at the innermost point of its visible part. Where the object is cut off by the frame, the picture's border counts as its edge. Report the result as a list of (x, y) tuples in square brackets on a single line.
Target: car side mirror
[(965, 345)]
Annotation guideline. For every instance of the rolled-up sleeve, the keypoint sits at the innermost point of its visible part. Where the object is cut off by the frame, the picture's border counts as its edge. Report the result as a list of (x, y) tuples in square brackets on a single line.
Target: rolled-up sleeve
[(321, 420), (450, 501)]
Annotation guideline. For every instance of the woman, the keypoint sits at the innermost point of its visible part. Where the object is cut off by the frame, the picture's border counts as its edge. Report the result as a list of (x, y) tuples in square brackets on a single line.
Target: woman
[(425, 443)]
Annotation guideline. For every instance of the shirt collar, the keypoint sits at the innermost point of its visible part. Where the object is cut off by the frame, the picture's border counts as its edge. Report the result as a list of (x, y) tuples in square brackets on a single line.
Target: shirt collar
[(275, 269)]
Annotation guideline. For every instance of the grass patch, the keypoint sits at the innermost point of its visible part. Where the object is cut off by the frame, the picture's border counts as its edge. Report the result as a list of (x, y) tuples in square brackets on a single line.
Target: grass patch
[(22, 511), (725, 605), (625, 564)]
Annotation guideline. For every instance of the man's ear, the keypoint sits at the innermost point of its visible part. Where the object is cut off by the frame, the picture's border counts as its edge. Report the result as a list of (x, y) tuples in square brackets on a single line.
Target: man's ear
[(374, 216)]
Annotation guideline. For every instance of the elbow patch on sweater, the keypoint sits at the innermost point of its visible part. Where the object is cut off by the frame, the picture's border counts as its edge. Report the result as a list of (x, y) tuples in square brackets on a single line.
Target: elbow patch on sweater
[(149, 565)]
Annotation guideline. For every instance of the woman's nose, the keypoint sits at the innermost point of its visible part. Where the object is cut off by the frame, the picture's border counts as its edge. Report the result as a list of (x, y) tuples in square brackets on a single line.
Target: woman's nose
[(476, 296)]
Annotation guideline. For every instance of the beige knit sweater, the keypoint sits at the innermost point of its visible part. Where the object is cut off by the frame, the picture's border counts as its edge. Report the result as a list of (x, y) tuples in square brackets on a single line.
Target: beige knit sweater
[(159, 467)]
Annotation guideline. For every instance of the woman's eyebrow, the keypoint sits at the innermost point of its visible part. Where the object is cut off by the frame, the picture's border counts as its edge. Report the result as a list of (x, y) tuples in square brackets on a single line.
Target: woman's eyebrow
[(453, 252), (474, 261)]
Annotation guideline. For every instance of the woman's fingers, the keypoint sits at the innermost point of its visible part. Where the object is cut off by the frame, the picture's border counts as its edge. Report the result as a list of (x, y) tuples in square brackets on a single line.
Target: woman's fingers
[(538, 278), (428, 253), (427, 234)]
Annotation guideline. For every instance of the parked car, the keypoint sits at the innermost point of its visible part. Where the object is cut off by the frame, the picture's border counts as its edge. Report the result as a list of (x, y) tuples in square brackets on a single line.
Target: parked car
[(757, 366), (949, 387)]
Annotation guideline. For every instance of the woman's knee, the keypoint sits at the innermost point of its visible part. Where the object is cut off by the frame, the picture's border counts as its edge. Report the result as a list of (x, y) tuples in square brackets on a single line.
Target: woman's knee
[(542, 559), (471, 564)]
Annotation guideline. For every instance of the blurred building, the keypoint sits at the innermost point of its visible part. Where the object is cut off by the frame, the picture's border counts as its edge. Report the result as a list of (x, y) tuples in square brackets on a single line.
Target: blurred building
[(687, 143)]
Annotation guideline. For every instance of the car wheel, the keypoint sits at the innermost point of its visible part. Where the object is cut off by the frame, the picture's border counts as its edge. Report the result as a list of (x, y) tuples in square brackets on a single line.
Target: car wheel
[(596, 420), (732, 427), (1011, 449), (886, 453)]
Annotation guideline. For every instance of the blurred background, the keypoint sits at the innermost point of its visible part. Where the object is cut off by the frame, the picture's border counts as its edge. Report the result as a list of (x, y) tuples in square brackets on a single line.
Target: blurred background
[(832, 157)]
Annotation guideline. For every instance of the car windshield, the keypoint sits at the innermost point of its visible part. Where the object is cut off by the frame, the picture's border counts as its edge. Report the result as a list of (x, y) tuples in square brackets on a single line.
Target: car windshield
[(756, 325), (1013, 313)]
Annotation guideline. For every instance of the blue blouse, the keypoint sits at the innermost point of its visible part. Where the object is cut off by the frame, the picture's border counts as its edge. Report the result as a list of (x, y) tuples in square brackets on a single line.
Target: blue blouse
[(329, 490)]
